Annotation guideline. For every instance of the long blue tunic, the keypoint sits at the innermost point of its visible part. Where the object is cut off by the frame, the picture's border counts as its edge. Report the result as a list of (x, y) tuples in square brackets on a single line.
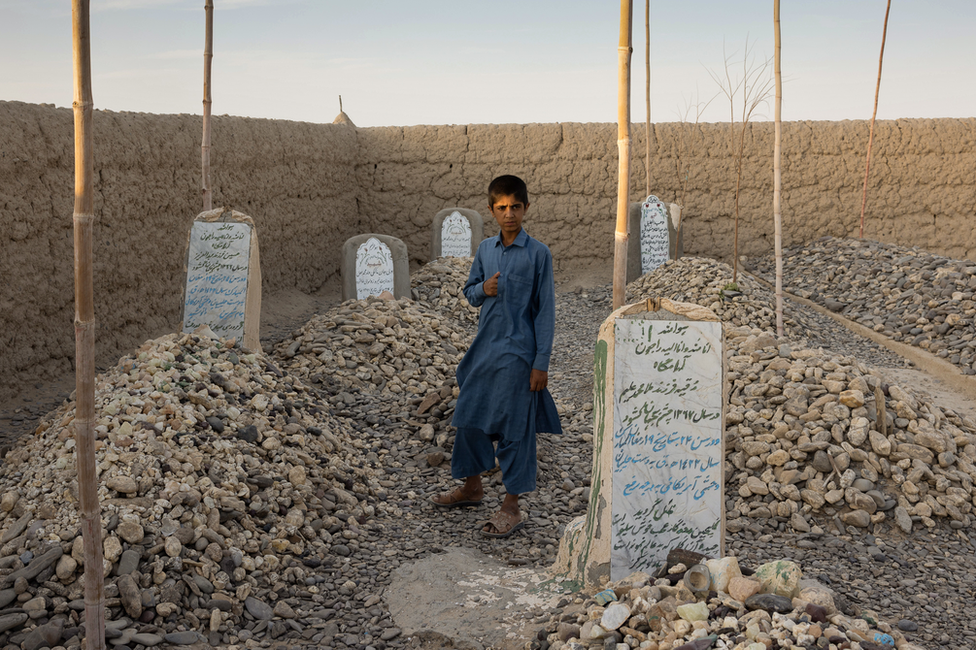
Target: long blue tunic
[(515, 333)]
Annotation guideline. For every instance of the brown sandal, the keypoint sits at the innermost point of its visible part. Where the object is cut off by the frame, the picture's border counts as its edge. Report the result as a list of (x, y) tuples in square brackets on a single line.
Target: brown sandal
[(505, 523), (454, 499)]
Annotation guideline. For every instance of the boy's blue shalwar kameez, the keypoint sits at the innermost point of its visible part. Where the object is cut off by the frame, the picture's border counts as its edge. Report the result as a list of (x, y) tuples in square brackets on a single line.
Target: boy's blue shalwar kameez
[(515, 333)]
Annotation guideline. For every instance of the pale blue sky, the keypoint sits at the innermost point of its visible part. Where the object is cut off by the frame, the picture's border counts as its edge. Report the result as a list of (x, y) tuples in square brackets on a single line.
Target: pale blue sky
[(400, 62)]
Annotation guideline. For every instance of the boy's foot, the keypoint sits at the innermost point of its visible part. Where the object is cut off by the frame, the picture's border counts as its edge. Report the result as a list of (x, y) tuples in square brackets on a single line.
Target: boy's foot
[(502, 524), (456, 498)]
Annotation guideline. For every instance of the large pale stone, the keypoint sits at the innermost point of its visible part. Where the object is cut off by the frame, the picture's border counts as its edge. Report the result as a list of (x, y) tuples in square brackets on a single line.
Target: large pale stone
[(131, 531), (741, 588), (172, 546), (691, 612), (818, 595), (778, 458), (852, 398), (112, 548), (880, 444), (857, 518), (122, 484), (9, 500), (780, 577), (756, 485), (722, 570), (614, 616), (66, 568), (857, 434)]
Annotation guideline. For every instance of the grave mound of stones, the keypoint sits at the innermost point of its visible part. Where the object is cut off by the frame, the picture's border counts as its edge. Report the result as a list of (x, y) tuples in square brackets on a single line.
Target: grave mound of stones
[(906, 294), (772, 607), (382, 362), (809, 431), (439, 285), (221, 480), (706, 282)]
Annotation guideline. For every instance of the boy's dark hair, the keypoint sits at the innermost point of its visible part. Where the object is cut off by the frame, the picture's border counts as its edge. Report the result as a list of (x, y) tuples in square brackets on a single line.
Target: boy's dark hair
[(507, 185)]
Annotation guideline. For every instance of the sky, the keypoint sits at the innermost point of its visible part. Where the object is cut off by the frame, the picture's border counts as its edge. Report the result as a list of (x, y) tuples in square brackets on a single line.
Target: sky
[(408, 62)]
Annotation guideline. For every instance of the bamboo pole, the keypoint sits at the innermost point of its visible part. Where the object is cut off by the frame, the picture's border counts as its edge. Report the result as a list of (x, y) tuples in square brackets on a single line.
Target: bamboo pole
[(91, 520), (647, 96), (623, 147), (877, 90), (777, 172), (205, 147)]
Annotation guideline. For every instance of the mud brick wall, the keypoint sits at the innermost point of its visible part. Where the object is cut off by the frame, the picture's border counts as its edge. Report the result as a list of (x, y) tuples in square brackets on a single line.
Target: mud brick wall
[(311, 186)]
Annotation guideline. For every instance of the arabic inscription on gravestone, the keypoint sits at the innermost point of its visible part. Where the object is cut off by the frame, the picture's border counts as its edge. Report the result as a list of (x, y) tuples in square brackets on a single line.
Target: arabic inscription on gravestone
[(216, 277), (667, 442), (374, 269), (654, 238), (456, 236)]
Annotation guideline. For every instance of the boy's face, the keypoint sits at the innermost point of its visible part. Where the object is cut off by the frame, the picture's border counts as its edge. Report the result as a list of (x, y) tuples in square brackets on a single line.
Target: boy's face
[(508, 212)]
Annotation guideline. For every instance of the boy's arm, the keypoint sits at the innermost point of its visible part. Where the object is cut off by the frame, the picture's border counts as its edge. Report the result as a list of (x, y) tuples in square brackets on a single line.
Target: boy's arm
[(545, 316), (473, 289)]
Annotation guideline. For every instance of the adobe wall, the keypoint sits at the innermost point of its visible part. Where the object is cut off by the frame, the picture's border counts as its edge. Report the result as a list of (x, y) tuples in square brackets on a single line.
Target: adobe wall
[(295, 179), (311, 186), (921, 192)]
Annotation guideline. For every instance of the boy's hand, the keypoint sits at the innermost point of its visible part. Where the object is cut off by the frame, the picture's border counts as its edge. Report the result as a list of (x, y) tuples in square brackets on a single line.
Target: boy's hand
[(491, 285), (538, 379)]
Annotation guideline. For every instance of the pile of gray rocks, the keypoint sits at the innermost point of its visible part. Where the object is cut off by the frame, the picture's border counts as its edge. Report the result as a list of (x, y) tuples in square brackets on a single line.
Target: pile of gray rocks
[(228, 493), (810, 432), (906, 294), (439, 285), (708, 283), (772, 607)]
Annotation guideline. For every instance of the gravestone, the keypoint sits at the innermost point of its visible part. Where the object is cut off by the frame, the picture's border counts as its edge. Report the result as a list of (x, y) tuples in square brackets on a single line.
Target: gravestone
[(456, 232), (223, 277), (654, 237), (658, 462), (372, 264)]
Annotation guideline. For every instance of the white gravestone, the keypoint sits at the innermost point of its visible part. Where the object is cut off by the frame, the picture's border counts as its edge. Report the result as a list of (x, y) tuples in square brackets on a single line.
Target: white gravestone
[(667, 442), (456, 236), (216, 277), (654, 237), (374, 269)]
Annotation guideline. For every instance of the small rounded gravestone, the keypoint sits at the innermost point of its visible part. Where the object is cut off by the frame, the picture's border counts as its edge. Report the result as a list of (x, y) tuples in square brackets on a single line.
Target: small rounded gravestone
[(456, 232), (372, 264)]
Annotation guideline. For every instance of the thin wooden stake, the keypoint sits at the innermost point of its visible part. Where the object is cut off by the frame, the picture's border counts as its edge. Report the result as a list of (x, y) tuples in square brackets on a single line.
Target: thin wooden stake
[(84, 217), (777, 173), (647, 96), (877, 91), (205, 147), (623, 147)]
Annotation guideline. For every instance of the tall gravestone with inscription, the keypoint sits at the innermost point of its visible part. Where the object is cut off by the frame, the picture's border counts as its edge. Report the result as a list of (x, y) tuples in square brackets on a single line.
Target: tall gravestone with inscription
[(372, 264), (658, 463), (223, 277), (456, 232), (654, 236)]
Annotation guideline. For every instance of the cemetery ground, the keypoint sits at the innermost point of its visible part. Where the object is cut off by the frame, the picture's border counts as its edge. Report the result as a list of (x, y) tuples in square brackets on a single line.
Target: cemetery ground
[(368, 563)]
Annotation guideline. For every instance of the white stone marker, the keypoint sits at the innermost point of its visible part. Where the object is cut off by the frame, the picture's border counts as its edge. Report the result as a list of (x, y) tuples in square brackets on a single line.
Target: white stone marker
[(374, 269), (667, 442), (456, 236), (456, 232), (655, 240), (373, 263), (658, 445), (223, 277)]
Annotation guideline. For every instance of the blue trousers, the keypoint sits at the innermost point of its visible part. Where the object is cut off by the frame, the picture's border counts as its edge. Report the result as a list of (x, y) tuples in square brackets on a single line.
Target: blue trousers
[(475, 452)]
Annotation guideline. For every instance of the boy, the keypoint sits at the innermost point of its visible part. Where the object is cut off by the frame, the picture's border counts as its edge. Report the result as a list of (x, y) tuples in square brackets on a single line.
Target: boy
[(503, 401)]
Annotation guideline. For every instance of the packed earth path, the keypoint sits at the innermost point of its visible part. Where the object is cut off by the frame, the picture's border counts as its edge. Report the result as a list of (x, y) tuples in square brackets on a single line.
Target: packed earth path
[(367, 524)]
